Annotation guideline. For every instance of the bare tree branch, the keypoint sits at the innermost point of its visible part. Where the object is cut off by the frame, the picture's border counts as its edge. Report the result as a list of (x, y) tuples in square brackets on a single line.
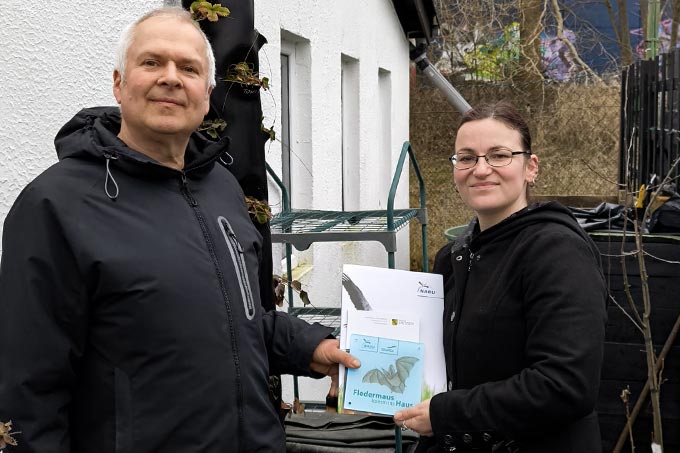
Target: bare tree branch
[(645, 391), (560, 35)]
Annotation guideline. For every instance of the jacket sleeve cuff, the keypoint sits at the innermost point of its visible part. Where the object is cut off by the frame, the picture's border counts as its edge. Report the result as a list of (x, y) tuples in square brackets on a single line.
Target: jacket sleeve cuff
[(452, 430), (304, 345), (291, 343), (307, 343)]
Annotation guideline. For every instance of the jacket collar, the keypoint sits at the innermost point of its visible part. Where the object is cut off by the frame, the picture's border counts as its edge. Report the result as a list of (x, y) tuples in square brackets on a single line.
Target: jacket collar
[(93, 134)]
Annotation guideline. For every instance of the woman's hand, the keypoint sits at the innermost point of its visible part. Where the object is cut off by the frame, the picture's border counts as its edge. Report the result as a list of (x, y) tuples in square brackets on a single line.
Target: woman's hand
[(416, 418)]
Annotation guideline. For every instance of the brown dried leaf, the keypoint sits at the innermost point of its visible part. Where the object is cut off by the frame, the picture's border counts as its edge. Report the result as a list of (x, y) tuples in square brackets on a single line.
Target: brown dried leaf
[(625, 394), (297, 286), (270, 132), (279, 293), (305, 298), (286, 408), (205, 10), (216, 11), (6, 435), (213, 127), (298, 408), (244, 73), (259, 210), (242, 68)]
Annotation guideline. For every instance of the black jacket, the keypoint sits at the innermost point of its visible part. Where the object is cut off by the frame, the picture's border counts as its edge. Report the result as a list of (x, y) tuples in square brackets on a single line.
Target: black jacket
[(525, 312), (130, 313)]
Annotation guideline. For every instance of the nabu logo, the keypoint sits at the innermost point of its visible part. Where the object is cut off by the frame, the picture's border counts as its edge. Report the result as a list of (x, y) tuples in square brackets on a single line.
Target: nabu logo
[(425, 290)]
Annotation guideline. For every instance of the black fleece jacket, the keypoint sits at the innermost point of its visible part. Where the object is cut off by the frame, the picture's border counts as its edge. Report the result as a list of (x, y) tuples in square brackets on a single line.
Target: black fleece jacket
[(525, 312), (131, 319)]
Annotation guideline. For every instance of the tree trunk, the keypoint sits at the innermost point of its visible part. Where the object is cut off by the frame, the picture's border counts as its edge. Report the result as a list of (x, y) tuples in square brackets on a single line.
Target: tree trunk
[(559, 21), (652, 372), (624, 33), (612, 18), (674, 27), (530, 26), (643, 17)]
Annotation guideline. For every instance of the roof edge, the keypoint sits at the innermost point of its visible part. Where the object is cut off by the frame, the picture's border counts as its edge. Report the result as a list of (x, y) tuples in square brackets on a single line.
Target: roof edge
[(418, 18)]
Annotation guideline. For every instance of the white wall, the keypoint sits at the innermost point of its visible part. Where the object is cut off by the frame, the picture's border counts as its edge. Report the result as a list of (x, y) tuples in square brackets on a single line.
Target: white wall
[(55, 61), (60, 59), (369, 32)]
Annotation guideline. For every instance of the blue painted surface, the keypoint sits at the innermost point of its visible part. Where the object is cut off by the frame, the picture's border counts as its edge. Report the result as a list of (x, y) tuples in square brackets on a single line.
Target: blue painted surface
[(595, 13)]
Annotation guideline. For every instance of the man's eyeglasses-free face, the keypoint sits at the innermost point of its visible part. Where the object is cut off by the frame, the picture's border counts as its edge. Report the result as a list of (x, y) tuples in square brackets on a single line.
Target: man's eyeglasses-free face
[(497, 158)]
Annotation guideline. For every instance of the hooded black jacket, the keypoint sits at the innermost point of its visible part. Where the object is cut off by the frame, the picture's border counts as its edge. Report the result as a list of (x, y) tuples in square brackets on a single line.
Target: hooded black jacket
[(525, 312), (131, 319)]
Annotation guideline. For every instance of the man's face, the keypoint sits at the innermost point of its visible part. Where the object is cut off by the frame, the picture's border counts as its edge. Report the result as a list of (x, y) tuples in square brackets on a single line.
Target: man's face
[(165, 88)]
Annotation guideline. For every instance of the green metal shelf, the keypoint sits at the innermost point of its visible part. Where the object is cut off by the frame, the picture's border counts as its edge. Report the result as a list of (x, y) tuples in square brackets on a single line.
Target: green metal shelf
[(327, 316), (301, 228)]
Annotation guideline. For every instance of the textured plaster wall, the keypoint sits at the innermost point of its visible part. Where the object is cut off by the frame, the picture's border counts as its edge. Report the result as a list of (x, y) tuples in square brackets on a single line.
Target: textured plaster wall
[(56, 60), (368, 31)]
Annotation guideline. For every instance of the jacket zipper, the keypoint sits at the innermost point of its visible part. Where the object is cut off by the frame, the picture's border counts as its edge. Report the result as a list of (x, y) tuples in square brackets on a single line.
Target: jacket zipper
[(227, 304), (187, 194), (236, 252)]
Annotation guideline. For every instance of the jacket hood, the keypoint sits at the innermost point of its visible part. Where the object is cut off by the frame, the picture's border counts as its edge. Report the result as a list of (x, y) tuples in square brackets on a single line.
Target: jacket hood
[(542, 212), (93, 134)]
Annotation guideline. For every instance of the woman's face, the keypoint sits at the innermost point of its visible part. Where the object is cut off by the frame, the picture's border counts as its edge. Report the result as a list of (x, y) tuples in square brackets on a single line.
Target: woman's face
[(493, 193)]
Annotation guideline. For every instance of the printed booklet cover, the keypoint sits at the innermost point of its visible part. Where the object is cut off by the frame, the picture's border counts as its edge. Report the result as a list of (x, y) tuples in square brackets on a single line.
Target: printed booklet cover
[(390, 378), (398, 305)]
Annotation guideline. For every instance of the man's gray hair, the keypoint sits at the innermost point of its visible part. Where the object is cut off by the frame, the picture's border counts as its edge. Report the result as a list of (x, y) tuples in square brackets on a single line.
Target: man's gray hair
[(128, 35)]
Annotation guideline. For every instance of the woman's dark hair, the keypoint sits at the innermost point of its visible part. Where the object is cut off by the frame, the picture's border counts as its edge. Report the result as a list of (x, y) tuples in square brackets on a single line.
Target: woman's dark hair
[(504, 112)]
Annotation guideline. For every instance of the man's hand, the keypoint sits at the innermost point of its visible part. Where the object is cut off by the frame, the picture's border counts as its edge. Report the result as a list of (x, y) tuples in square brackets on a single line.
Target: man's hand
[(325, 361)]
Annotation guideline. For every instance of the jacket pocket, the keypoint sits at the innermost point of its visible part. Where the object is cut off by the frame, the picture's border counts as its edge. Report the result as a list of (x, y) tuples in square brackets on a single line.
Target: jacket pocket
[(236, 252), (123, 392)]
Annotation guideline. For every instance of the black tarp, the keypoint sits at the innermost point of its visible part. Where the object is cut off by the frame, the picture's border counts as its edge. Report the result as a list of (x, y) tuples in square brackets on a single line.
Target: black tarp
[(666, 218), (316, 432)]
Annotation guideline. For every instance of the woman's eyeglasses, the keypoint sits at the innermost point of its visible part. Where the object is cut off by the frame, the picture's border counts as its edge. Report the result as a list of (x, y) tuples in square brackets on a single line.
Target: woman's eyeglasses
[(495, 158)]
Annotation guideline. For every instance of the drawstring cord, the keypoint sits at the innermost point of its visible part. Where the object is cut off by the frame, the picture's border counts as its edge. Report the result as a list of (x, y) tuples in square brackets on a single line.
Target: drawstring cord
[(109, 176), (230, 157)]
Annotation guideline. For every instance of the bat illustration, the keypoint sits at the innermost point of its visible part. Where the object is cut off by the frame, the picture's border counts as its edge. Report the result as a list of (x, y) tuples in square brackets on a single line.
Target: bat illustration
[(355, 295), (394, 377)]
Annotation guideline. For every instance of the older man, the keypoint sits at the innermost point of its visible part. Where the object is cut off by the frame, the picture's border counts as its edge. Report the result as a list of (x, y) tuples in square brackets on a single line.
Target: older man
[(130, 313)]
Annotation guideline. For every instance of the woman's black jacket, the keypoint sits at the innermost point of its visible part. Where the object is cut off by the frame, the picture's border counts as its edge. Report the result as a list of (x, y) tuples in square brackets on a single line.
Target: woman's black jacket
[(525, 312)]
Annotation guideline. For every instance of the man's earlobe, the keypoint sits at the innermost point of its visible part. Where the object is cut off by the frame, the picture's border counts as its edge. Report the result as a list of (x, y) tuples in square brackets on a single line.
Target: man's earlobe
[(207, 99), (117, 80)]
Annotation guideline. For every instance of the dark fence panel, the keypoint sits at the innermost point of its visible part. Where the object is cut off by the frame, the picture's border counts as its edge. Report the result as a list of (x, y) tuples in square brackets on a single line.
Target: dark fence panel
[(625, 363), (650, 122)]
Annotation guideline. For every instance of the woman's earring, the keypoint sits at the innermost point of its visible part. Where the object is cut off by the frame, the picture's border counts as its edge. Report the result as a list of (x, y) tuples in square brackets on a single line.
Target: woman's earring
[(532, 183)]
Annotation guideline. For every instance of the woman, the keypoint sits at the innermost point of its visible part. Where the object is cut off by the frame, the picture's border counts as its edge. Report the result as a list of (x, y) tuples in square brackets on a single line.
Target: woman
[(525, 304)]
